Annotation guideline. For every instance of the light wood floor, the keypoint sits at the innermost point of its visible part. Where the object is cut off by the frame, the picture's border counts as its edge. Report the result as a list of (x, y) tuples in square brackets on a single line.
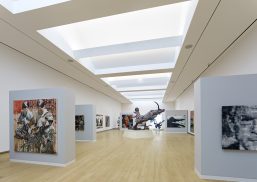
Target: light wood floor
[(166, 158)]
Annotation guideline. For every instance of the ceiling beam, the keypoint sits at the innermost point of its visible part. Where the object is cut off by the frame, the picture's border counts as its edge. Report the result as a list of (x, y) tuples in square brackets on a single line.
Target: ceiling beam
[(138, 70), (129, 47)]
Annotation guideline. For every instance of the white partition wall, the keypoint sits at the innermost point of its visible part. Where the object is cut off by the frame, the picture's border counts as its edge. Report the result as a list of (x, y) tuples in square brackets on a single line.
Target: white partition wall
[(65, 133), (89, 132), (211, 161), (176, 121)]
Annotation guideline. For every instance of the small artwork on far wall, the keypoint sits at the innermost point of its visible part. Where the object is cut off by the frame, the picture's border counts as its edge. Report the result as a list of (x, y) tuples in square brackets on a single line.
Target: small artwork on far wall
[(239, 127), (99, 121), (127, 120), (192, 113), (79, 123), (176, 121), (107, 121)]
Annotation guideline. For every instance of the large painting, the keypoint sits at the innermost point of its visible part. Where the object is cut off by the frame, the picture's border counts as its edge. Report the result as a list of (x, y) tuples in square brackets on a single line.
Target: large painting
[(35, 126), (239, 127), (99, 121), (79, 122), (178, 121), (127, 120), (192, 113), (107, 121)]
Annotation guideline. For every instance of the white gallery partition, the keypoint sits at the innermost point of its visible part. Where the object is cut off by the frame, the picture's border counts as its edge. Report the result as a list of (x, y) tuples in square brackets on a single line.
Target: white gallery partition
[(65, 133), (211, 161), (89, 114)]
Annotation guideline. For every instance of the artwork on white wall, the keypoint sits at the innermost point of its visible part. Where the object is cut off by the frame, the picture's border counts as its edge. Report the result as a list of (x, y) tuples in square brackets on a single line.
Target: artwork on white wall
[(239, 127), (176, 121), (127, 120), (107, 121), (99, 121), (35, 126), (191, 123), (79, 123)]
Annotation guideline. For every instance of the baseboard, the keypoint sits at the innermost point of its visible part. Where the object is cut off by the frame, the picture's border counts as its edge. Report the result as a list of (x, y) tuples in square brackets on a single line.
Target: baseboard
[(190, 133), (102, 130), (4, 152), (43, 163), (223, 178), (178, 132), (85, 140)]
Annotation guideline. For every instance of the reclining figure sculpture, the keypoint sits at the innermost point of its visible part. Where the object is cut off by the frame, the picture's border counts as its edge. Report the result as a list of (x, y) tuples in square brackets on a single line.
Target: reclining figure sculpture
[(151, 115)]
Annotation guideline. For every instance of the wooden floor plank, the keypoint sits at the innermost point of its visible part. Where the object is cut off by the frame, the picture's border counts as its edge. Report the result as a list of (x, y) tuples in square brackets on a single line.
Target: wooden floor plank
[(112, 158)]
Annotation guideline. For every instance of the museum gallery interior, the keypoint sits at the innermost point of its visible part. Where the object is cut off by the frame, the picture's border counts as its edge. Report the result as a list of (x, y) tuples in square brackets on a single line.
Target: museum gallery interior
[(131, 90)]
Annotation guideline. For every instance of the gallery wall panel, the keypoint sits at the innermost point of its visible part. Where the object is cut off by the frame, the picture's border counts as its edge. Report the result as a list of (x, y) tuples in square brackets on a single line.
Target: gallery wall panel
[(211, 159), (50, 124), (89, 113)]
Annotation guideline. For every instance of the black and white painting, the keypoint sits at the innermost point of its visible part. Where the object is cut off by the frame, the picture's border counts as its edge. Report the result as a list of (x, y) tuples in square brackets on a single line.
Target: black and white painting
[(239, 127), (79, 123), (192, 113), (99, 121), (176, 121), (107, 121)]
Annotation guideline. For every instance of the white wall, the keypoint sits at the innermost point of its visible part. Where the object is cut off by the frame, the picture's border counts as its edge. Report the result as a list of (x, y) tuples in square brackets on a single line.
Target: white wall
[(239, 59), (186, 100), (20, 72)]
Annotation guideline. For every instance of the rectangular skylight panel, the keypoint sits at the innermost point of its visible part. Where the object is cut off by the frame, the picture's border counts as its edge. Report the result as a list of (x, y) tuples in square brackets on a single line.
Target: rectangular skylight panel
[(145, 97), (139, 88), (143, 93), (147, 24), (18, 6), (137, 77)]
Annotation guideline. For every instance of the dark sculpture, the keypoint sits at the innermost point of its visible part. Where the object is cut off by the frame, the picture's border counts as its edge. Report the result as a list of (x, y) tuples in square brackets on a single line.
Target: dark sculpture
[(151, 115), (158, 125)]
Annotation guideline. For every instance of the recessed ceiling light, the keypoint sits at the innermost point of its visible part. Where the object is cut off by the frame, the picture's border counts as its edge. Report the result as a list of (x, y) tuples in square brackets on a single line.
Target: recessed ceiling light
[(70, 60), (188, 46)]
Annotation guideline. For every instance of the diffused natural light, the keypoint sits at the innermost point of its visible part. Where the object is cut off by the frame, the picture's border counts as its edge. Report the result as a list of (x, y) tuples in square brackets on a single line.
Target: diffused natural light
[(147, 24), (18, 6), (137, 77), (144, 94)]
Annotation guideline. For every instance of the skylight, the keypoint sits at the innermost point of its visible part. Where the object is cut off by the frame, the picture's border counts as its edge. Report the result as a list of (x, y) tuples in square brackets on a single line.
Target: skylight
[(134, 43), (132, 61), (147, 24), (144, 94), (140, 85), (18, 6)]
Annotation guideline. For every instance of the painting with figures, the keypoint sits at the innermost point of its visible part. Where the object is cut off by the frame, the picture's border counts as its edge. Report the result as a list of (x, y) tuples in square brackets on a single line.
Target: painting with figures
[(99, 121), (35, 126), (79, 122)]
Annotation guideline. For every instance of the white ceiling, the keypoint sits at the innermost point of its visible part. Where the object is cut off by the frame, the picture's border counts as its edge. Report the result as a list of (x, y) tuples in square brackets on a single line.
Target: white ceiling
[(215, 25)]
